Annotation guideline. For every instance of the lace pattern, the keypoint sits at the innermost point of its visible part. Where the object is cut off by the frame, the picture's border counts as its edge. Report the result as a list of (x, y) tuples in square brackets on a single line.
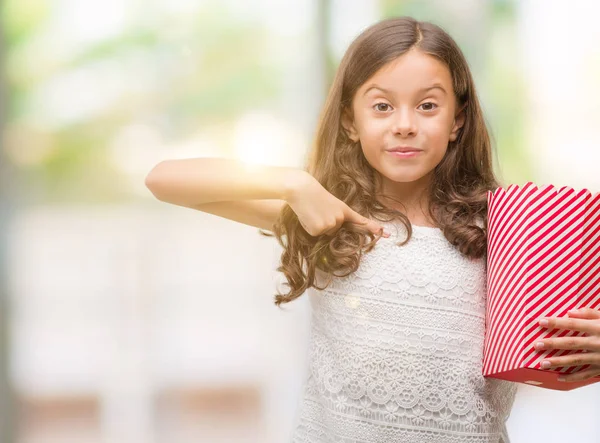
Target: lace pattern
[(396, 348)]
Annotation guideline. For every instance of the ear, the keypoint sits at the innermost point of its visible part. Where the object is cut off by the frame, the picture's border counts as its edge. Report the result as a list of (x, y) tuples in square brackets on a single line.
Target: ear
[(348, 125), (459, 121)]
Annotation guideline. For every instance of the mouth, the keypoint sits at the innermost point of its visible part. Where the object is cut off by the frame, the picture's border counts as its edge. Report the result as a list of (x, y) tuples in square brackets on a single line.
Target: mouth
[(404, 151)]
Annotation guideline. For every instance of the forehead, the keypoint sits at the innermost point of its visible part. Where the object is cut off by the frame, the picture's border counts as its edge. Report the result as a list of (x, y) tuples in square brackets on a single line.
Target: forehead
[(409, 73)]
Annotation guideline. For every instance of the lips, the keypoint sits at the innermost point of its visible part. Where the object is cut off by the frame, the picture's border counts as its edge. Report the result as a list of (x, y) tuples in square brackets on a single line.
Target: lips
[(404, 149)]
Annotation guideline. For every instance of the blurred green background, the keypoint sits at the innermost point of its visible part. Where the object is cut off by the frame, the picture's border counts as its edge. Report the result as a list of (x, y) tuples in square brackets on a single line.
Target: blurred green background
[(93, 88)]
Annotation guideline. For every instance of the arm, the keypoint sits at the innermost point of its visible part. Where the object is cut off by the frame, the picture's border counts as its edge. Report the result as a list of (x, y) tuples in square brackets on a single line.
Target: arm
[(252, 194), (259, 213), (246, 193)]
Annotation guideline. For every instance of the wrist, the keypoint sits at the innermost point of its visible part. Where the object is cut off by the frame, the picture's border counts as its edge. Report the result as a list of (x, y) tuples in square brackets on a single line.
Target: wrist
[(294, 181)]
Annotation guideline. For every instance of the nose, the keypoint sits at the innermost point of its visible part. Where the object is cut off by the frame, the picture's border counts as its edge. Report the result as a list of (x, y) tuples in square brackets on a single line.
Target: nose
[(405, 123)]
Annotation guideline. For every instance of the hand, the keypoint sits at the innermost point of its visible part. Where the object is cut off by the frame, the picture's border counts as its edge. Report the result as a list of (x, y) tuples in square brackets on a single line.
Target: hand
[(585, 320), (320, 212)]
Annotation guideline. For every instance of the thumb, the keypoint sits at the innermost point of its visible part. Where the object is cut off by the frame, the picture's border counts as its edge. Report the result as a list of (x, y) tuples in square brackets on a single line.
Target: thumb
[(585, 313)]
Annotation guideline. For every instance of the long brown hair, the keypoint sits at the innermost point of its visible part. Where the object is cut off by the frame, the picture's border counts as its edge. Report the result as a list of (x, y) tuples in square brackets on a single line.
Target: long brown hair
[(457, 197)]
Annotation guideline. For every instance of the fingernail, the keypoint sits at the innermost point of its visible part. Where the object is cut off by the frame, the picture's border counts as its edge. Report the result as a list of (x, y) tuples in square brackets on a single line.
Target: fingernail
[(386, 233), (545, 364), (539, 345), (561, 379), (544, 323)]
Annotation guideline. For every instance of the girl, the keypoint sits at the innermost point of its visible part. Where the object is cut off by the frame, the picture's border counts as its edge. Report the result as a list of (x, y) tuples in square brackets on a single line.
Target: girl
[(398, 317)]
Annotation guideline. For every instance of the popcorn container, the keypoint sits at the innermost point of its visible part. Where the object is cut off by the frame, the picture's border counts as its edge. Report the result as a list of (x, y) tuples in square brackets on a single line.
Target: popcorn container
[(543, 259)]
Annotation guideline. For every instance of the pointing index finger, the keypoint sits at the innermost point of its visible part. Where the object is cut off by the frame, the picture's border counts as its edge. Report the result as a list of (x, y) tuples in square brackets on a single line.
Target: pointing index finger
[(354, 217)]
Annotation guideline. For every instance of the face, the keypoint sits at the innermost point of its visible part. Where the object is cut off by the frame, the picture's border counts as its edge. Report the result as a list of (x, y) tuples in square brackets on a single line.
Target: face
[(408, 102)]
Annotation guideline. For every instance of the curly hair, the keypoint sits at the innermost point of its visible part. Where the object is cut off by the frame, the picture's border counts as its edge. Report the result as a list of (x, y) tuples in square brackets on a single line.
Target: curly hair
[(458, 191)]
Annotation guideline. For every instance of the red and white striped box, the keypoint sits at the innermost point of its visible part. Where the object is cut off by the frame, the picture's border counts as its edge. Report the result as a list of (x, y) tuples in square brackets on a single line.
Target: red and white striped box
[(543, 259)]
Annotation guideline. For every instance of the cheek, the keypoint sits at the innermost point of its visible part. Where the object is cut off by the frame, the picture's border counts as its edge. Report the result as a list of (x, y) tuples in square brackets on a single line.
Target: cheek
[(437, 128), (372, 127), (373, 134)]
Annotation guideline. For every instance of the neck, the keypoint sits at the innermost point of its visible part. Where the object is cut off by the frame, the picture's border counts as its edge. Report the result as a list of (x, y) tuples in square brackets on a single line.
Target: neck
[(411, 198)]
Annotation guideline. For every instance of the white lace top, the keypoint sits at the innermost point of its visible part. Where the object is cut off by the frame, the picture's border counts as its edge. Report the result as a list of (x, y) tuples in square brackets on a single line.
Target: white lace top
[(396, 350)]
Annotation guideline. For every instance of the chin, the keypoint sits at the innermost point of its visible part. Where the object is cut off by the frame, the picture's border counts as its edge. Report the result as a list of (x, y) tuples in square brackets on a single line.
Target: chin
[(397, 178), (404, 176)]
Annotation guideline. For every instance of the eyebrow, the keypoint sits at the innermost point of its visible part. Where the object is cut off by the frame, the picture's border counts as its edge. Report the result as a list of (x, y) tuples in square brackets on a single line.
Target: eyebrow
[(429, 88)]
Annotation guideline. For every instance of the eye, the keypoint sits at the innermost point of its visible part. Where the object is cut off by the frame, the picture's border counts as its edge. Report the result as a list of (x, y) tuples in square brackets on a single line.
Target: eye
[(376, 106), (430, 103)]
